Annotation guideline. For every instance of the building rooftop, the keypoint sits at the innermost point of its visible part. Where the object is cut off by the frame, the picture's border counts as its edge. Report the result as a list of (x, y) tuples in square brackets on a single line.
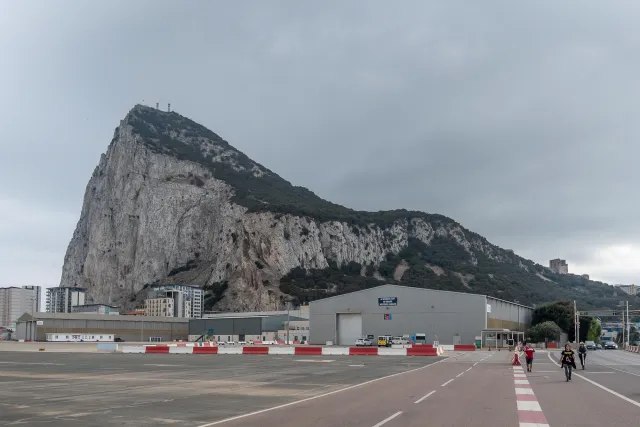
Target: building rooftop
[(95, 305), (158, 285), (413, 289), (90, 316)]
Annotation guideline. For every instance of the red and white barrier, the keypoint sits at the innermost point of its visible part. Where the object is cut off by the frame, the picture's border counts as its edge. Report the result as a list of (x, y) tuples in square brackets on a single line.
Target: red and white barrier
[(426, 350), (633, 348)]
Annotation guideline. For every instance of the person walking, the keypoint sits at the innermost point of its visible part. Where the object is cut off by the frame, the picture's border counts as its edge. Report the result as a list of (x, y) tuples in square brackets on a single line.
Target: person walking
[(528, 350), (568, 361), (582, 353)]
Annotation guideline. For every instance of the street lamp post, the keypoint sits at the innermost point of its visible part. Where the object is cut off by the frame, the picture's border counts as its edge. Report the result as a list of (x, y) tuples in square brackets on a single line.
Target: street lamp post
[(288, 317)]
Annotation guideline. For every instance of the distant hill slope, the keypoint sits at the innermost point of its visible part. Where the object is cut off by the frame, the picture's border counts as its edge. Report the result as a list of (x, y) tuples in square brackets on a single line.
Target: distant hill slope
[(171, 201)]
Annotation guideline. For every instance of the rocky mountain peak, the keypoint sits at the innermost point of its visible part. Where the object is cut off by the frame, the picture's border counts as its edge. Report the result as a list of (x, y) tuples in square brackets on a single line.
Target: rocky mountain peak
[(173, 202)]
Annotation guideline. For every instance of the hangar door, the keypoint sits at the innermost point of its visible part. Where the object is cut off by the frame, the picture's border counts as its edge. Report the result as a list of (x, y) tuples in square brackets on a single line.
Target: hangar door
[(349, 328)]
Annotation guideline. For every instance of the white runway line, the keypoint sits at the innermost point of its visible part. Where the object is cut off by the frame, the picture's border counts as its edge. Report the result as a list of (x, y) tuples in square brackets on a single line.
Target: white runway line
[(388, 419), (446, 382), (285, 405), (424, 397), (615, 393)]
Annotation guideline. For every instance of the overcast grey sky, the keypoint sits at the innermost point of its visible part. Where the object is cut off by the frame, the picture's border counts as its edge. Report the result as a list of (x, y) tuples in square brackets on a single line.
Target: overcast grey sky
[(518, 121)]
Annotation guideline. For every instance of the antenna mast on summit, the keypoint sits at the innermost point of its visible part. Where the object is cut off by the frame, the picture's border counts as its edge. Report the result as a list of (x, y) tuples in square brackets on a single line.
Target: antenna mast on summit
[(157, 105), (169, 107)]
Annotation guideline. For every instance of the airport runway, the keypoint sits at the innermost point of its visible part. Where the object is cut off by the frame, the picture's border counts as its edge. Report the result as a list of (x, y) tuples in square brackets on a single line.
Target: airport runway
[(467, 389)]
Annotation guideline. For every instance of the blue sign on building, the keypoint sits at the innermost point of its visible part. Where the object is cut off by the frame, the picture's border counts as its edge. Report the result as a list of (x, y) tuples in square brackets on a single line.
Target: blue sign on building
[(387, 301)]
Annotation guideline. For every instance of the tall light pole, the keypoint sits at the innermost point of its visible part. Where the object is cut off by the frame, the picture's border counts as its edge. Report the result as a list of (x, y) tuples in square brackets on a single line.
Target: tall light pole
[(627, 327), (576, 321), (288, 301)]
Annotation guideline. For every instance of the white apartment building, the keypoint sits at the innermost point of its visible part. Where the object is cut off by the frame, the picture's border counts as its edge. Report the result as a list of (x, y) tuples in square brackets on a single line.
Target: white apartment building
[(628, 289), (15, 301), (62, 299), (194, 295)]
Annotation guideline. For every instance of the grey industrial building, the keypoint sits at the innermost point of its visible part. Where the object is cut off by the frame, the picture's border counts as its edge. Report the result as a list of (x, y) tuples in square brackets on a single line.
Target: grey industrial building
[(266, 325), (452, 317), (35, 326)]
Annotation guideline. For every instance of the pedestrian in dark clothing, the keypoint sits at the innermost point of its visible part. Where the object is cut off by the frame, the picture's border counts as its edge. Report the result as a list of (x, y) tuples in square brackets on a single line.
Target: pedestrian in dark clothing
[(568, 361), (582, 353)]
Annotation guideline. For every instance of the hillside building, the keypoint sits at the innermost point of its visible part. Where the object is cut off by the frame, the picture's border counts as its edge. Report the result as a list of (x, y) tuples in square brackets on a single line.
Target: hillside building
[(559, 266), (627, 289)]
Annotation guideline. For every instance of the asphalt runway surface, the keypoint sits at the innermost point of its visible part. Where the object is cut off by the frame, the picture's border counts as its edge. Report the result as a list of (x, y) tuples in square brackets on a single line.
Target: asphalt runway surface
[(465, 389)]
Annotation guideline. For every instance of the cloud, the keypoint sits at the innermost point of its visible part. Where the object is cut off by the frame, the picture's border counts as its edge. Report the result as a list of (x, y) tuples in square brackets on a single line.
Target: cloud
[(519, 121)]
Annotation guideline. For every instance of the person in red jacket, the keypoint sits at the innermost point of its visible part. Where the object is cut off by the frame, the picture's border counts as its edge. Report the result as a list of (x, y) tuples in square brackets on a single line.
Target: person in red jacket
[(528, 351)]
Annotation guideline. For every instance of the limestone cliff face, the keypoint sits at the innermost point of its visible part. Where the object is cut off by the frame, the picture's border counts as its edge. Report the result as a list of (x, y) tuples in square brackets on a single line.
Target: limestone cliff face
[(148, 216), (172, 202)]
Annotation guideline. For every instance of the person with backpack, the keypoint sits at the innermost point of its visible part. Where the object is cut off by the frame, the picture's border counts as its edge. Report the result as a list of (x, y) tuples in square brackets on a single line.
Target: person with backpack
[(567, 361), (582, 353), (528, 350)]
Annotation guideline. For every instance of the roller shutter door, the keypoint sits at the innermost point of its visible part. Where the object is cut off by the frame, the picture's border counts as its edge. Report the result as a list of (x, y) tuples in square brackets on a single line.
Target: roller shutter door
[(349, 328)]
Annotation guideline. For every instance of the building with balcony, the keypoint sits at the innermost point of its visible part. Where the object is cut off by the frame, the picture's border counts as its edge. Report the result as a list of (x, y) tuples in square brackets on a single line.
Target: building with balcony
[(189, 300), (62, 299)]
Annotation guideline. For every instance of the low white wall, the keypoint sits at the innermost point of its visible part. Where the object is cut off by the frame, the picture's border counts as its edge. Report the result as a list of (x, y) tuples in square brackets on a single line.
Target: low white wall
[(335, 351), (382, 351), (282, 350), (229, 350), (133, 349)]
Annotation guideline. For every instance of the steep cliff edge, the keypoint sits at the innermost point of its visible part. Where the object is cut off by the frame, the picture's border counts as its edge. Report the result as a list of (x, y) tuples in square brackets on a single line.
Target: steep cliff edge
[(172, 202)]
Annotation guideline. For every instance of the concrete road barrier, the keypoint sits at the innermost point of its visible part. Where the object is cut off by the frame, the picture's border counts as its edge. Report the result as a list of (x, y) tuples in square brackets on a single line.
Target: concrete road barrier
[(133, 349)]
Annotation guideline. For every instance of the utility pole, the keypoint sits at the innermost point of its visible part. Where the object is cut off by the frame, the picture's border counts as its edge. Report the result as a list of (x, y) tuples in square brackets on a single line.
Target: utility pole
[(627, 327), (288, 301), (576, 321)]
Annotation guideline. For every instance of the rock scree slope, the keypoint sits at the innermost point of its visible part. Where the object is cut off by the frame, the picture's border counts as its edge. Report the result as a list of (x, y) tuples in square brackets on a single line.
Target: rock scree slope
[(172, 202)]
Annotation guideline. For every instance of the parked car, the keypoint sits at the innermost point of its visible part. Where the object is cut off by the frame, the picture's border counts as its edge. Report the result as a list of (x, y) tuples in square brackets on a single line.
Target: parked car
[(591, 345), (363, 342), (610, 345), (399, 341)]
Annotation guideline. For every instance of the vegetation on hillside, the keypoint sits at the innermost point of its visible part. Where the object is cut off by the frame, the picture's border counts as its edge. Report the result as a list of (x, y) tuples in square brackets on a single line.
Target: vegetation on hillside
[(507, 281)]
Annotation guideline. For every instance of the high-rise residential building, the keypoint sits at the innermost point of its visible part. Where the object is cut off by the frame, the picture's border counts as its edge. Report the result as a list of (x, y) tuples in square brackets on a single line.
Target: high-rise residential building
[(188, 299), (62, 299), (628, 289), (559, 266), (15, 301)]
